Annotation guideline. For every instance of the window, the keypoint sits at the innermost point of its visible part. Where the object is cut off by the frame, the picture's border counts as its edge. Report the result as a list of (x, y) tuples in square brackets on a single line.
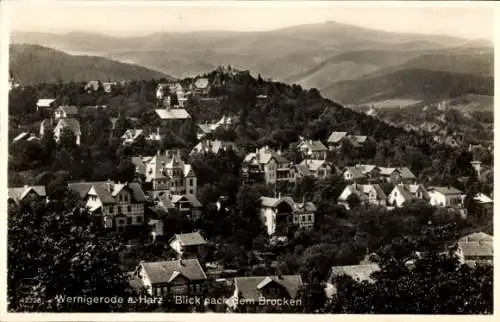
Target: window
[(121, 222), (138, 219), (309, 218), (111, 210), (129, 220), (129, 208), (198, 287), (191, 182)]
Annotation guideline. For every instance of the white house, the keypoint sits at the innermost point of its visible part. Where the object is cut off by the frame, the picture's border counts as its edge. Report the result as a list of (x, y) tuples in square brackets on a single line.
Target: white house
[(406, 192), (167, 172), (120, 204), (445, 196), (367, 193)]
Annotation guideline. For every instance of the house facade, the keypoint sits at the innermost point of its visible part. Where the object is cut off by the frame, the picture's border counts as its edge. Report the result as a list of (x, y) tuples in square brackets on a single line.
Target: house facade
[(405, 192), (258, 293), (367, 193), (312, 150), (19, 194), (167, 172), (214, 146), (172, 278), (186, 204), (280, 214), (191, 245), (445, 196), (269, 165), (319, 169), (121, 205)]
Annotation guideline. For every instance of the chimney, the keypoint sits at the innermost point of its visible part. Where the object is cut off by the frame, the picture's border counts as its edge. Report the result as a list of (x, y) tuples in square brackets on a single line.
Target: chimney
[(108, 185)]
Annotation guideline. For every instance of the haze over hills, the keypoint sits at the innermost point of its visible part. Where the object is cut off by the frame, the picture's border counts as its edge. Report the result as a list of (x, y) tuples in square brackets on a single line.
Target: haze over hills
[(344, 62), (31, 64)]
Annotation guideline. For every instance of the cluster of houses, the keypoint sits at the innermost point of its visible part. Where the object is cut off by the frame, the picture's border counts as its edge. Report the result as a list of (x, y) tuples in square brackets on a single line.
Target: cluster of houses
[(165, 183)]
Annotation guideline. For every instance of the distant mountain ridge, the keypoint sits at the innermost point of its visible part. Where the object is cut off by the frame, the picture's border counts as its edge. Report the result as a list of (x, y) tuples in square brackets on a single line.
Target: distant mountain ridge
[(414, 83), (31, 64), (276, 53), (337, 59)]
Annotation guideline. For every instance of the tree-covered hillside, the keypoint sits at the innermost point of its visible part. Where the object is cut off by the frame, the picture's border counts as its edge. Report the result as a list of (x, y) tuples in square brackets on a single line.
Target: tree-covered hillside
[(33, 64)]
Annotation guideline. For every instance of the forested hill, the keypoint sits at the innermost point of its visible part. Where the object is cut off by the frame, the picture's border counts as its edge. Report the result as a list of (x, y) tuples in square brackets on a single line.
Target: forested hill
[(265, 113), (32, 64)]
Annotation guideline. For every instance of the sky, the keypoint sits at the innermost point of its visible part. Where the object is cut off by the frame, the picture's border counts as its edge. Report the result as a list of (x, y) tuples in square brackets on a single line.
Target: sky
[(466, 20)]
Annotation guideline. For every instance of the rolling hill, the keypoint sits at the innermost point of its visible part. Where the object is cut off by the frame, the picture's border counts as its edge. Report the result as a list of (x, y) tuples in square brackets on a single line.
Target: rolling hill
[(414, 84), (278, 54), (31, 64)]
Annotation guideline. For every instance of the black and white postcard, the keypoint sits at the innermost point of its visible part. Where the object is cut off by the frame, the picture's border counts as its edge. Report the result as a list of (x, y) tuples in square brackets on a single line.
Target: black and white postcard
[(190, 158)]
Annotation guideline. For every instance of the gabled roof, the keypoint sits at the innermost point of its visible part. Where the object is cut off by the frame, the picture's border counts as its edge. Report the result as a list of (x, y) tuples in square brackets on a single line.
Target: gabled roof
[(173, 114), (366, 168), (263, 156), (69, 109), (18, 193), (358, 139), (71, 124), (476, 237), (161, 272), (303, 170), (168, 160), (190, 239), (362, 190), (249, 287), (385, 171), (476, 249), (314, 165), (356, 172), (205, 128), (403, 191), (482, 198), (313, 145), (106, 191), (213, 146), (446, 190), (132, 134), (406, 173), (189, 197), (336, 137), (357, 272), (45, 102), (81, 188)]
